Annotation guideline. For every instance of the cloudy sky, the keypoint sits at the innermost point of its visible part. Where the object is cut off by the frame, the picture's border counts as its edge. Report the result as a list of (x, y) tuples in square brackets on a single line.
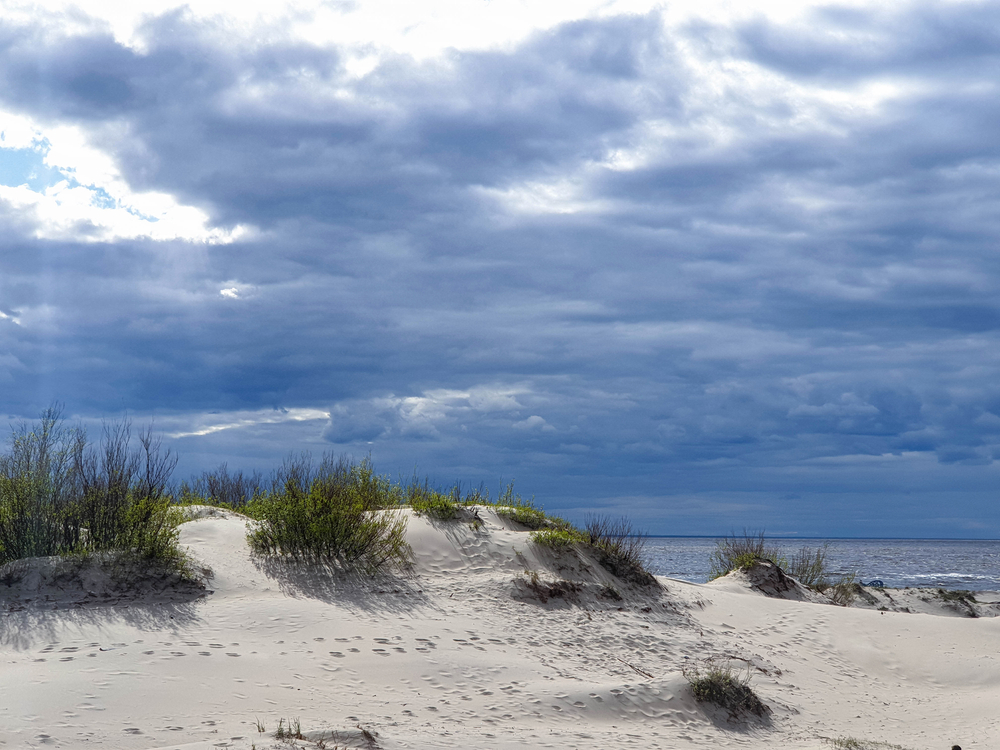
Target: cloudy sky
[(715, 265)]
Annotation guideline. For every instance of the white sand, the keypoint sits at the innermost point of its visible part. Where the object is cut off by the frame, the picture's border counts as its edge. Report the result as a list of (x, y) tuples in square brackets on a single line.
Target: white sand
[(461, 653)]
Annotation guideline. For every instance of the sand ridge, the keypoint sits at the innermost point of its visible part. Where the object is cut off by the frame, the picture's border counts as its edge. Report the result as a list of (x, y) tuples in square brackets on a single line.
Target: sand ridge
[(462, 652)]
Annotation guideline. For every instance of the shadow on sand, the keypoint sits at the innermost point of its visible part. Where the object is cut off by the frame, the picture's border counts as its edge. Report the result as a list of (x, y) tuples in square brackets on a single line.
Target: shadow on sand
[(352, 590)]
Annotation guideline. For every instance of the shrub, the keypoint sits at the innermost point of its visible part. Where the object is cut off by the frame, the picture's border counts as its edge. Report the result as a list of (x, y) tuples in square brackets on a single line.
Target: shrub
[(722, 685), (736, 553), (850, 743), (844, 590), (619, 547), (343, 512), (809, 567), (223, 489), (60, 496)]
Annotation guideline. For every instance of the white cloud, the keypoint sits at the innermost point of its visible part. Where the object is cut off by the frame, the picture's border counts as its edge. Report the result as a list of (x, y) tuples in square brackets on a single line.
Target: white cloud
[(206, 424)]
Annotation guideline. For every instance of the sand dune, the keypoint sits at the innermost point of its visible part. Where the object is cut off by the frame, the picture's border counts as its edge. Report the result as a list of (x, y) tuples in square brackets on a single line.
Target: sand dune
[(470, 650)]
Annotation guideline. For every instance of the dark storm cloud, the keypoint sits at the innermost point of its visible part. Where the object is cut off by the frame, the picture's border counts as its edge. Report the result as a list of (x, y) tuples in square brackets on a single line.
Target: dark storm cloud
[(777, 305)]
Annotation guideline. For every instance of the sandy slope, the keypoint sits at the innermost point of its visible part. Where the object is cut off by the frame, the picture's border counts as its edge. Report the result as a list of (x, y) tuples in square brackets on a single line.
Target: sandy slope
[(461, 652)]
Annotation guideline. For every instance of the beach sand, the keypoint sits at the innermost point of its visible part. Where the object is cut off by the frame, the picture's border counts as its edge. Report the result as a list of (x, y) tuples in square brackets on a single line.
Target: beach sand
[(467, 650)]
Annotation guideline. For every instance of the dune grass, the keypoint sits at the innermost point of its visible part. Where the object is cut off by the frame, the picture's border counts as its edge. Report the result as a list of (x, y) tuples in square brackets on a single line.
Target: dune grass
[(850, 743), (718, 683), (60, 495), (809, 566)]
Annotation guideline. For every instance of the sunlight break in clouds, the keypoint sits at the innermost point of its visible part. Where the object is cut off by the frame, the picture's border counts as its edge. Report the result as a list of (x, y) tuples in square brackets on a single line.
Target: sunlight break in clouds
[(94, 203)]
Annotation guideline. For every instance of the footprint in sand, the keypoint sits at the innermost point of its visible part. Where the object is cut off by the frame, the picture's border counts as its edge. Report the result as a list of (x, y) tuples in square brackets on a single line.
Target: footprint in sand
[(338, 654), (230, 653), (132, 730), (380, 651), (354, 650)]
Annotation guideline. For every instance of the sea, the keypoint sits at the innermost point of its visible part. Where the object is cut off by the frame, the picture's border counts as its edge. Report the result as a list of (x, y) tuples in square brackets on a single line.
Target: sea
[(973, 565)]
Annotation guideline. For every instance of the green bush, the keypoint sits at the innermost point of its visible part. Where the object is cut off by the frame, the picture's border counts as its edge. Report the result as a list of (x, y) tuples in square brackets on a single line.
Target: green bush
[(342, 513), (59, 496), (720, 684), (427, 502)]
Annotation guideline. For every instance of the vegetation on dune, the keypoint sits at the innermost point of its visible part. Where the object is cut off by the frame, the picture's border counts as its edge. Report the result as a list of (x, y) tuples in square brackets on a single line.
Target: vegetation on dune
[(222, 488), (616, 544), (850, 743), (340, 512), (60, 495), (809, 566), (719, 683)]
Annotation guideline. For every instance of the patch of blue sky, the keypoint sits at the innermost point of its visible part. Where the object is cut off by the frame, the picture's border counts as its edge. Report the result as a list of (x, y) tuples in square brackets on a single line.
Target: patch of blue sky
[(26, 166)]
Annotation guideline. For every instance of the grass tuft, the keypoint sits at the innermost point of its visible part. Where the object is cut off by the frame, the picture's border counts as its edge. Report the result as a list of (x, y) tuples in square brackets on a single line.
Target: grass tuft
[(720, 684), (557, 539), (619, 547), (850, 743), (741, 553)]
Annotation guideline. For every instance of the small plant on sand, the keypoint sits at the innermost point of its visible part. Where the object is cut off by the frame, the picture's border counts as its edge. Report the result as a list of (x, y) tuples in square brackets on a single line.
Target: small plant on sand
[(291, 732), (343, 513), (259, 725), (427, 502), (545, 590), (845, 590), (717, 682), (513, 507), (850, 743), (741, 553), (619, 548)]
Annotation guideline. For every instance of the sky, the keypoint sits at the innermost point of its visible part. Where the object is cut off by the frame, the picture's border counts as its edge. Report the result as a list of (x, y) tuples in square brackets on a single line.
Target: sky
[(710, 265)]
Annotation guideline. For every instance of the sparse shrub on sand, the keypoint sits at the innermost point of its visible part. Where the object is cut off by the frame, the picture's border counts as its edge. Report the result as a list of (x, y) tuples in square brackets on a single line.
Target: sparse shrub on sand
[(291, 731), (850, 743), (718, 683), (225, 489), (808, 566), (59, 495), (740, 553), (619, 548), (341, 512)]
